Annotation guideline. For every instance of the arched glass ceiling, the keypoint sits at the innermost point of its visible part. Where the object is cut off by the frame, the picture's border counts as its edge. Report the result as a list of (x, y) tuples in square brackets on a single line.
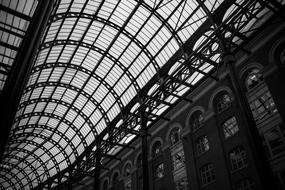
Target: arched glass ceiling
[(15, 17), (98, 62)]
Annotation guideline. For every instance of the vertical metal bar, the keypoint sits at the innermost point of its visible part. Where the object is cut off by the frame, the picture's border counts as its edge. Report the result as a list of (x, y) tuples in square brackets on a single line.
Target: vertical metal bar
[(144, 135), (21, 68), (266, 175), (97, 170)]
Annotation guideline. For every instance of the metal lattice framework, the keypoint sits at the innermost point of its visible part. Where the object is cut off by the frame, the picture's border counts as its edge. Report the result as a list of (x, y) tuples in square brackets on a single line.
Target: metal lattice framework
[(99, 63), (15, 19)]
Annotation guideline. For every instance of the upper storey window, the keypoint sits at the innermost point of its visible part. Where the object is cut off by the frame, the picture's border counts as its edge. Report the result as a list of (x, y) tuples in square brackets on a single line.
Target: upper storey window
[(196, 120), (156, 149), (174, 136), (230, 127), (223, 102), (202, 144), (253, 78)]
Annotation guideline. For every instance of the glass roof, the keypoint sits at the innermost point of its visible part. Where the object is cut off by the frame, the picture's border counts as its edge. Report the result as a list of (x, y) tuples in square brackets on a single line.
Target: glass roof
[(15, 16), (98, 63)]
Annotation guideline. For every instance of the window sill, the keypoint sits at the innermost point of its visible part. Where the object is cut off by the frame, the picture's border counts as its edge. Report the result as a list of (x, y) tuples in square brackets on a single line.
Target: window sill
[(201, 154), (238, 169), (207, 184), (227, 138)]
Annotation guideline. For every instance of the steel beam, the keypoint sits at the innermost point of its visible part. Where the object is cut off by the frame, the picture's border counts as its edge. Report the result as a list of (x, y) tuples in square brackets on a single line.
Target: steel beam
[(18, 76)]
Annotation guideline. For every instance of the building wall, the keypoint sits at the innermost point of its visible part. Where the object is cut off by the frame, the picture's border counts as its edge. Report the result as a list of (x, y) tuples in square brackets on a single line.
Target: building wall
[(262, 54)]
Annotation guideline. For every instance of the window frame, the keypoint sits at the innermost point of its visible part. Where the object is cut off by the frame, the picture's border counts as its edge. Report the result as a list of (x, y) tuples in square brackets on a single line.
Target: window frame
[(230, 127), (207, 174), (174, 136), (201, 145), (223, 101), (240, 162), (250, 184), (197, 120)]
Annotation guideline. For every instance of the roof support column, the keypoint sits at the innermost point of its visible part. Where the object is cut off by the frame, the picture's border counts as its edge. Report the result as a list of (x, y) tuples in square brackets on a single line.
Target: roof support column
[(265, 173), (97, 170), (18, 77), (144, 135)]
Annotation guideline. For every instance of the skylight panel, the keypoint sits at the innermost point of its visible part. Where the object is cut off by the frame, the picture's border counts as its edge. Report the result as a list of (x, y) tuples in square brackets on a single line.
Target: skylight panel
[(40, 107), (79, 29), (89, 138), (79, 79), (114, 75), (63, 7), (104, 67), (33, 78), (122, 84), (100, 126), (79, 121), (34, 119), (62, 127), (41, 56), (29, 108), (105, 38), (106, 9), (137, 20), (43, 120), (68, 96), (60, 110), (91, 85), (79, 55), (93, 31), (91, 6), (70, 133), (91, 60), (53, 29), (119, 46), (54, 53), (80, 148), (100, 93), (68, 75), (80, 102), (76, 6), (56, 74), (122, 12), (58, 93), (113, 111), (75, 140), (67, 53), (108, 101), (70, 115)]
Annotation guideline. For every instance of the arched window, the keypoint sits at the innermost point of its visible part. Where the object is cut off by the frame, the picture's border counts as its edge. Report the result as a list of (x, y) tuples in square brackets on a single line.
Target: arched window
[(196, 120), (254, 77), (174, 136), (105, 185), (222, 101), (260, 99), (156, 149), (202, 144), (127, 170)]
